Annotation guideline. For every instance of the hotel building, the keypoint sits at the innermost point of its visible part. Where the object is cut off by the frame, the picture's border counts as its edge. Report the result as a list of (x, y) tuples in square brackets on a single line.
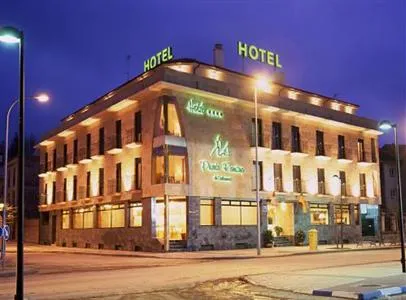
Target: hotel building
[(166, 161)]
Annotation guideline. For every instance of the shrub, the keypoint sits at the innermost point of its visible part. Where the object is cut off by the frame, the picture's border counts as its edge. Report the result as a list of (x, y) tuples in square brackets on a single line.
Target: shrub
[(278, 230), (268, 237), (299, 237)]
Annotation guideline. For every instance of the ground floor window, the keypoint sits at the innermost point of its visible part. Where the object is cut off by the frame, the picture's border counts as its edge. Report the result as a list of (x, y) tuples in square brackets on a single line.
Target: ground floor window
[(65, 219), (111, 216), (343, 210), (83, 218), (207, 212), (136, 214), (238, 212), (318, 214), (177, 219)]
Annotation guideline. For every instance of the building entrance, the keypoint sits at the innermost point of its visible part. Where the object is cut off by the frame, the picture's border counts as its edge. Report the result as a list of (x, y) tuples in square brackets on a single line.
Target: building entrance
[(177, 219), (281, 214)]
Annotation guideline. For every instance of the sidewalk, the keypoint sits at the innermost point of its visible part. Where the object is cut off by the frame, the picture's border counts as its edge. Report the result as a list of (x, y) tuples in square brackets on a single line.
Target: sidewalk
[(198, 255)]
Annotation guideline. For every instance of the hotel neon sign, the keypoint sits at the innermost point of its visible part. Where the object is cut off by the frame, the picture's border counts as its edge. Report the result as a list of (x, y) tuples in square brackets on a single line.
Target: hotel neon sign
[(221, 150), (159, 58), (258, 54), (199, 108)]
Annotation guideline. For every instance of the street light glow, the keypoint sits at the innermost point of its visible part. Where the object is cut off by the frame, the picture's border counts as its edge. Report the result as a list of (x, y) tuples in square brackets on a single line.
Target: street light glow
[(42, 98), (9, 35), (385, 125), (263, 83)]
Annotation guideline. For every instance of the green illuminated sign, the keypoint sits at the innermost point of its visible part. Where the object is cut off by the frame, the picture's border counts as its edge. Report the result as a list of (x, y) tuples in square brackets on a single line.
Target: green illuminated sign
[(221, 150), (258, 54), (159, 58), (199, 108)]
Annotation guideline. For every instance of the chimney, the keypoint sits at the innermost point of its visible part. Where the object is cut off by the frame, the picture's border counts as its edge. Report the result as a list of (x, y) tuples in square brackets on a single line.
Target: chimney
[(218, 55)]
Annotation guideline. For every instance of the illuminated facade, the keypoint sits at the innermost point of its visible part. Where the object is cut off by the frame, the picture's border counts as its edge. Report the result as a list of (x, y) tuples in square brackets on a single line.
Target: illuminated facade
[(167, 160)]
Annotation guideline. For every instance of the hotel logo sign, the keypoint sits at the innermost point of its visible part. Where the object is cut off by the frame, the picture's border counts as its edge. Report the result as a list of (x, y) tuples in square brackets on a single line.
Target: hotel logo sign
[(159, 58), (199, 108), (258, 54)]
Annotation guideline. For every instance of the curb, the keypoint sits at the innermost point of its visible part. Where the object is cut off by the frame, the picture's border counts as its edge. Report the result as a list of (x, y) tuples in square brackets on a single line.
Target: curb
[(369, 295), (338, 294), (13, 273)]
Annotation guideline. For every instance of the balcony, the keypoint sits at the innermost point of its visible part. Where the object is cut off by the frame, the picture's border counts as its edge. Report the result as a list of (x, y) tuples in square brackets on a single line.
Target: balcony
[(113, 187), (114, 145), (279, 146), (322, 153), (132, 140), (97, 151), (321, 188), (298, 186), (43, 169), (363, 191), (278, 185), (362, 159), (71, 161), (299, 149), (61, 164), (84, 156)]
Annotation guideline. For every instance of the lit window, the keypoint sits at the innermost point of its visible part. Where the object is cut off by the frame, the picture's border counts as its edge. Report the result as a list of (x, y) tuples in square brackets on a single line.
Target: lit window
[(136, 214), (65, 219), (169, 121), (111, 216), (345, 213), (292, 95), (83, 218), (176, 168), (356, 214), (238, 212), (206, 212), (319, 214)]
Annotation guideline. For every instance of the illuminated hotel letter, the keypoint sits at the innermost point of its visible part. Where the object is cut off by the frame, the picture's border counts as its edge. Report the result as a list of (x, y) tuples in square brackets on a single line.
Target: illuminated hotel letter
[(152, 61), (271, 58), (277, 62), (158, 56), (253, 52), (242, 49), (170, 55), (146, 65), (262, 51)]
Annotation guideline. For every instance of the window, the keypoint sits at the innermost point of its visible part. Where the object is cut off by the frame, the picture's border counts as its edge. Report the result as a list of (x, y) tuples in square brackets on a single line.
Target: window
[(118, 178), (88, 183), (138, 127), (75, 187), (276, 136), (260, 135), (393, 193), (297, 180), (46, 193), (53, 192), (391, 172), (343, 181), (260, 176), (176, 169), (169, 121), (118, 134), (363, 185), (356, 214), (321, 182), (207, 212), (320, 143), (341, 147), (138, 173), (45, 162), (65, 219), (373, 150), (277, 171), (238, 212), (111, 216), (296, 147), (101, 141), (88, 145), (75, 151), (83, 218), (101, 181), (136, 214), (65, 154), (361, 150), (54, 160), (45, 218), (318, 214), (65, 183), (345, 211)]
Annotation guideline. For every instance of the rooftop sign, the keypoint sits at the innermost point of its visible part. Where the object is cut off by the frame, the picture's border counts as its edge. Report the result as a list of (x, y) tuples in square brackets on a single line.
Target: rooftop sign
[(159, 58), (258, 54)]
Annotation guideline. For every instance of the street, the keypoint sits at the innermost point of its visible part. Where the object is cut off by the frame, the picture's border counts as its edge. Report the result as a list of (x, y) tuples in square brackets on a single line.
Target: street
[(80, 276)]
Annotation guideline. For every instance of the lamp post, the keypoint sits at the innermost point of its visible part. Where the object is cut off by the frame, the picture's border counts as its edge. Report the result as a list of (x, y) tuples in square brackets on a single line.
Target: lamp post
[(386, 125), (263, 84), (12, 35), (40, 98), (341, 211)]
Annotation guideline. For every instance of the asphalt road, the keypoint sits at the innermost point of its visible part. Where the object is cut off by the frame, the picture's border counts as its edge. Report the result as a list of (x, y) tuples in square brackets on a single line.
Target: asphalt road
[(74, 276)]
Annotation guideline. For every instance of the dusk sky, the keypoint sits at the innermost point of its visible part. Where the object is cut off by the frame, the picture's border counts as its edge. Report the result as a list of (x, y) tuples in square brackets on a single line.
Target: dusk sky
[(76, 50)]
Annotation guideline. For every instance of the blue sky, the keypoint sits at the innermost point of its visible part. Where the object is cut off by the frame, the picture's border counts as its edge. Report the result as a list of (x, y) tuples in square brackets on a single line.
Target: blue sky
[(76, 50)]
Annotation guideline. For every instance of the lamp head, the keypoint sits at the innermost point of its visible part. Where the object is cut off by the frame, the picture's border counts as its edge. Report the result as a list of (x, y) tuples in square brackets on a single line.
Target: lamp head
[(386, 125), (263, 83), (42, 98), (10, 35)]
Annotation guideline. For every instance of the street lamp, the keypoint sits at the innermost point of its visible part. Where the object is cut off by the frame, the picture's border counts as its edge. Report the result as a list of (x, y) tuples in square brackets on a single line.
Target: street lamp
[(341, 210), (11, 35), (386, 125), (42, 98), (261, 84)]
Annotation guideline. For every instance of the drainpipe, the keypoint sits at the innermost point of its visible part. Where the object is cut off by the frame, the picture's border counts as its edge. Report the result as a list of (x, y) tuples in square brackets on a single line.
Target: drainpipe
[(166, 200)]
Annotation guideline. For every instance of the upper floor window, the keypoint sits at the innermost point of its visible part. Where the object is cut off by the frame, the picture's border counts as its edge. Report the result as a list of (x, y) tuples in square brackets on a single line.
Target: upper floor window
[(343, 181), (45, 161), (169, 123), (138, 173), (260, 176), (169, 166), (101, 141), (276, 135), (361, 150), (296, 147), (363, 185), (260, 135), (297, 180), (137, 127), (277, 171), (341, 147), (320, 143), (118, 134), (373, 150), (54, 160), (65, 154), (321, 181), (75, 151), (88, 145)]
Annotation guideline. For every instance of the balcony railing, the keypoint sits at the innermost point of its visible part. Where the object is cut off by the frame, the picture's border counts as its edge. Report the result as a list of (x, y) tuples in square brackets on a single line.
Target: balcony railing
[(84, 155), (114, 144), (97, 150), (297, 186), (363, 190), (278, 184), (114, 187), (321, 188), (132, 140)]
